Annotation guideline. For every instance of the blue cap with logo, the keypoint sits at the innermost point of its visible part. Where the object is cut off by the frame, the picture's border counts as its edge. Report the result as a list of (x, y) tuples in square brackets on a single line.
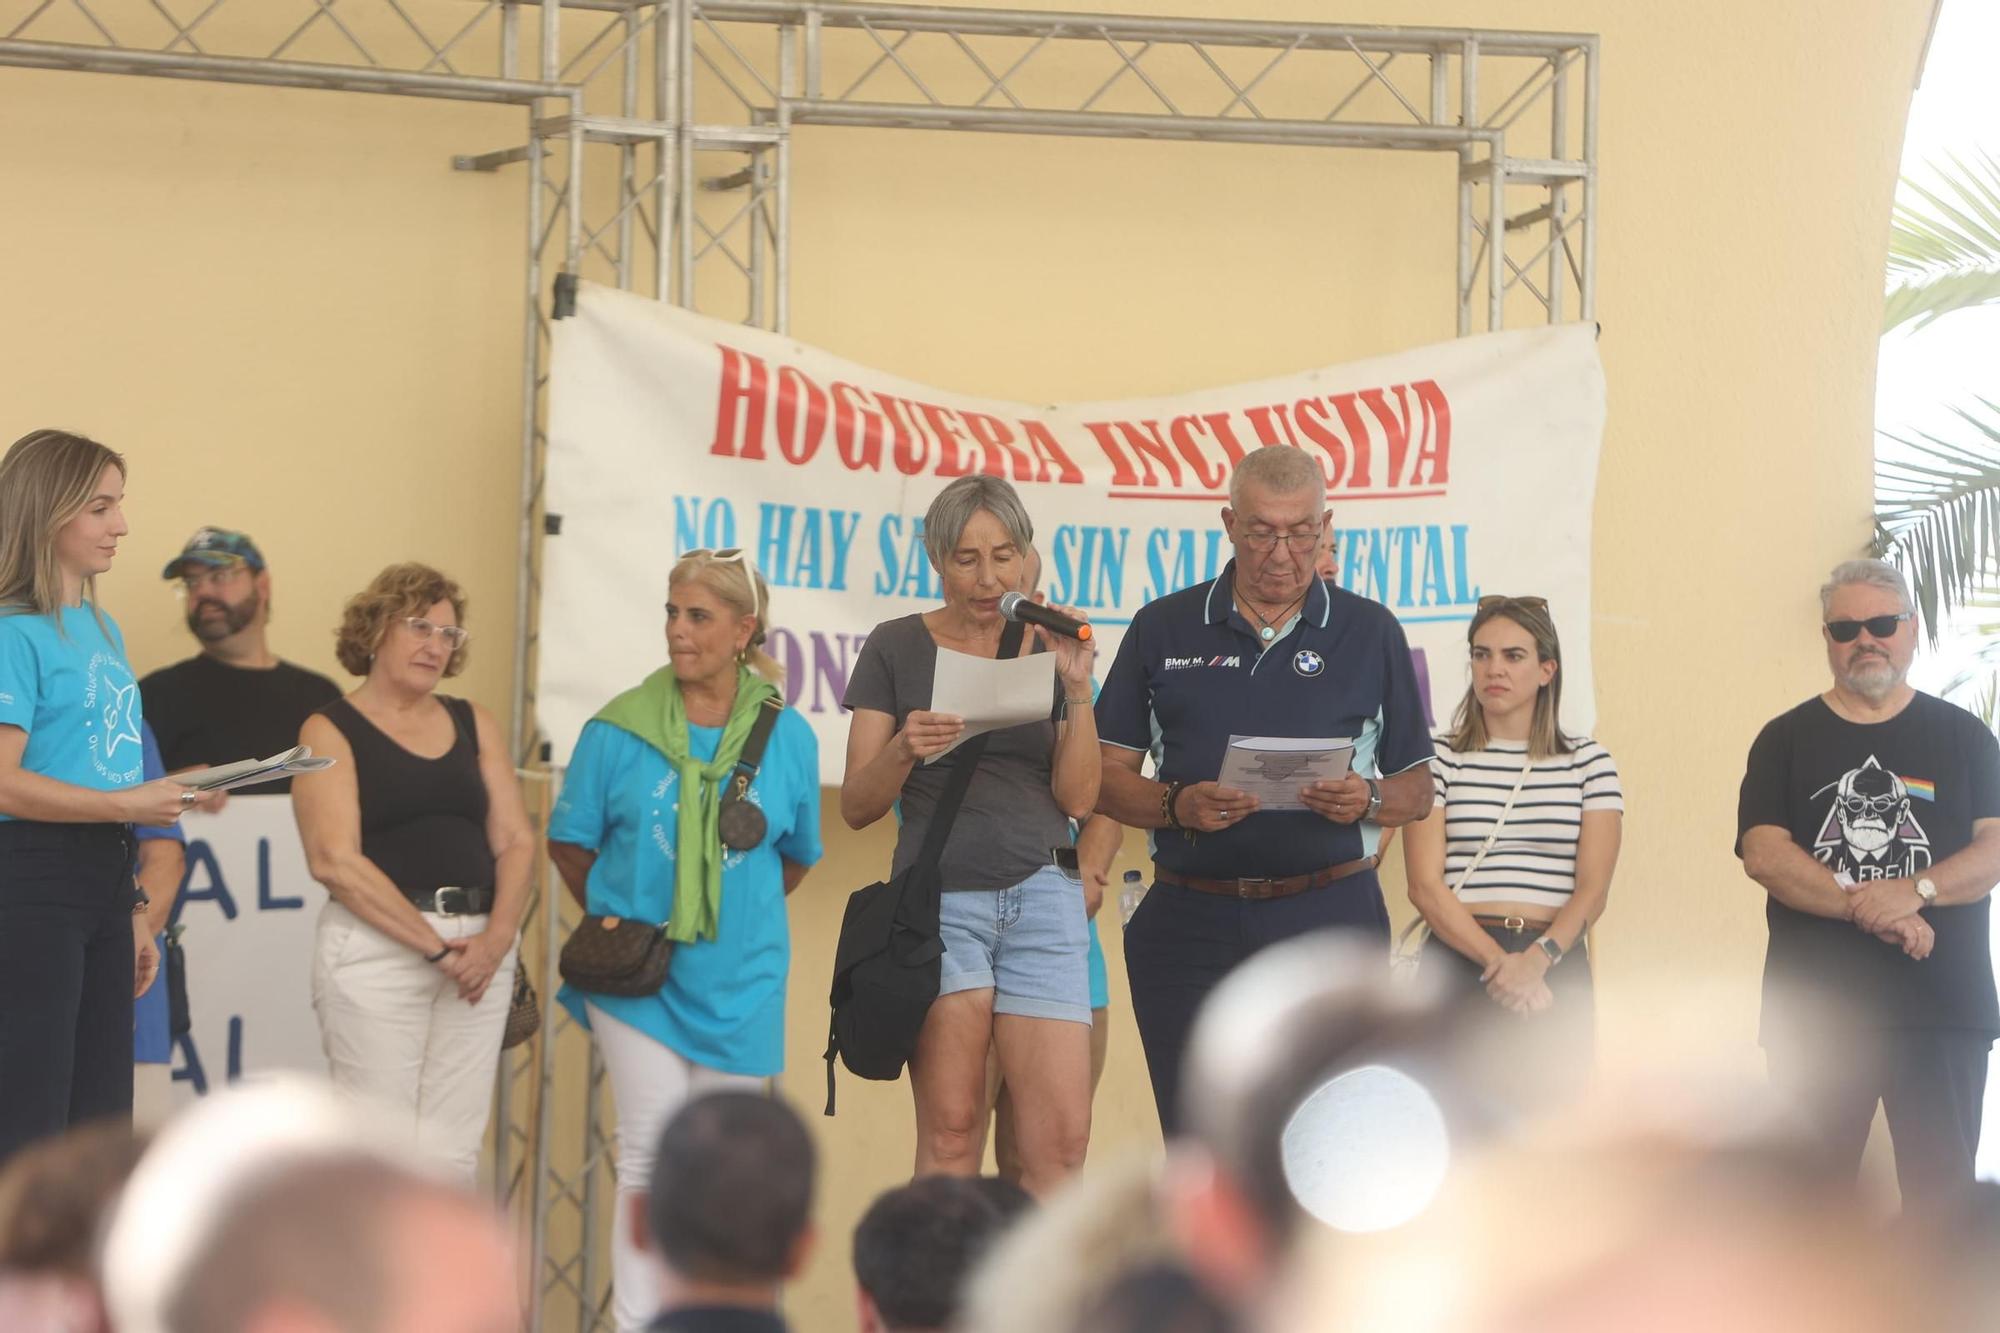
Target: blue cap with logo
[(214, 548)]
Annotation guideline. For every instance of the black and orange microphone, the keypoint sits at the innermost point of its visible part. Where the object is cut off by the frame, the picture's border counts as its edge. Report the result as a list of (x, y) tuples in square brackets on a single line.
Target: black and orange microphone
[(1015, 606)]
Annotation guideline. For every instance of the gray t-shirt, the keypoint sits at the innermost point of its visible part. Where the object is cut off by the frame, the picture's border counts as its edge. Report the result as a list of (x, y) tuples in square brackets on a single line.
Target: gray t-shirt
[(1010, 820)]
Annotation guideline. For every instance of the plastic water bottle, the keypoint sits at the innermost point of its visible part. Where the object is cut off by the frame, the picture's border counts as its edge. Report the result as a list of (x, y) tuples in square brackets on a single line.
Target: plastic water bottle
[(1129, 896)]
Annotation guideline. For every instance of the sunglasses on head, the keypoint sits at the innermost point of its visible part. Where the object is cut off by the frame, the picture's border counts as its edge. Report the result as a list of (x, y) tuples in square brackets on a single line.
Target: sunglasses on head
[(1878, 627), (1531, 603), (733, 555)]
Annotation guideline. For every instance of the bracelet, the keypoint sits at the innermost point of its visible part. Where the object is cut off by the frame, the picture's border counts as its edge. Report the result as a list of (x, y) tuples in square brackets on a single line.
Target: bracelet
[(1076, 703), (438, 957), (1168, 814)]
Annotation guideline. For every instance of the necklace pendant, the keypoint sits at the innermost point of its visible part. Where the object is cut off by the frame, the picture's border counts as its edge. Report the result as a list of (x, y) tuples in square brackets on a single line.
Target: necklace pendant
[(1268, 633)]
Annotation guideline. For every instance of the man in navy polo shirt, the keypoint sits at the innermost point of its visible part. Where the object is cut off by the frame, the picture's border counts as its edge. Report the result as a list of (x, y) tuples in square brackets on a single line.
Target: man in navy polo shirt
[(1266, 649)]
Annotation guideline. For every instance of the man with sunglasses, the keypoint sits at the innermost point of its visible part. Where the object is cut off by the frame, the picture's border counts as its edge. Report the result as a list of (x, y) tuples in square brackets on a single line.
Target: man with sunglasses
[(1265, 649), (1871, 816), (234, 699)]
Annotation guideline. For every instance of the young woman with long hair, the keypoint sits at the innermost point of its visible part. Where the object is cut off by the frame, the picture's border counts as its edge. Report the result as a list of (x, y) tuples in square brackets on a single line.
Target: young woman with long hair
[(73, 943), (1514, 862)]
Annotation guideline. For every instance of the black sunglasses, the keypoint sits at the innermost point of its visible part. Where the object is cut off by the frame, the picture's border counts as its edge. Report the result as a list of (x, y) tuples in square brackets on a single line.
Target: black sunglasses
[(1878, 627)]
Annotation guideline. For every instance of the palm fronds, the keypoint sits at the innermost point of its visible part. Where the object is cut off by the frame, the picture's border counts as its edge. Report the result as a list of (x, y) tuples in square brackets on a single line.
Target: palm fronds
[(1937, 512), (1944, 243)]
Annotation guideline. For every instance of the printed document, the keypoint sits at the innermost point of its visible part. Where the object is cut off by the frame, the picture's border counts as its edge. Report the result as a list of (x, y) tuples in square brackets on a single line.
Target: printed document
[(1275, 768)]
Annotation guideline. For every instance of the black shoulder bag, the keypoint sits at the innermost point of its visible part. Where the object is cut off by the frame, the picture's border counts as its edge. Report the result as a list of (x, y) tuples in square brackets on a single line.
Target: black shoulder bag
[(611, 955), (886, 966)]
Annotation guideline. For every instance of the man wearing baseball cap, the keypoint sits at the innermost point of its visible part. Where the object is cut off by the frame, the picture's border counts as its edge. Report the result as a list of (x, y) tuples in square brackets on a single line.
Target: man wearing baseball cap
[(235, 699)]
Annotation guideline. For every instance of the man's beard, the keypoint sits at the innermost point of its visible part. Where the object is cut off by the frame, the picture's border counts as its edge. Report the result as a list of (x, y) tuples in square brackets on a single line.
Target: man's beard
[(213, 629), (1870, 838), (1871, 676)]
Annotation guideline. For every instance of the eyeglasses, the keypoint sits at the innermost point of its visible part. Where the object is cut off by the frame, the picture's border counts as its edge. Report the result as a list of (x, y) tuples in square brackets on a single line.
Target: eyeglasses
[(1870, 805), (733, 555), (1300, 542), (217, 577), (1492, 600), (1878, 627), (455, 636)]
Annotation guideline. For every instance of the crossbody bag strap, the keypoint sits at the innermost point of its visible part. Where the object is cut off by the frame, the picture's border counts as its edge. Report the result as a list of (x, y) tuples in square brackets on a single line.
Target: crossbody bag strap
[(751, 756), (1494, 834), (1411, 941), (962, 764)]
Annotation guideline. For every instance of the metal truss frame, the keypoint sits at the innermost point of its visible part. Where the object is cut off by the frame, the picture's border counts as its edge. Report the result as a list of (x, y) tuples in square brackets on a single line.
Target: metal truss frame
[(657, 151)]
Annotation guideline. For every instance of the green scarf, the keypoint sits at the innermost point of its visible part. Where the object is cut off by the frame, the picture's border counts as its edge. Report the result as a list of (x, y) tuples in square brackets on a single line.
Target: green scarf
[(655, 713)]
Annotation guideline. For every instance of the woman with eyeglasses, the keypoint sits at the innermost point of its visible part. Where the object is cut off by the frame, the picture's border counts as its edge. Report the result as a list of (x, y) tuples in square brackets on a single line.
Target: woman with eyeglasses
[(74, 947), (1514, 862), (649, 827), (1015, 973), (420, 836)]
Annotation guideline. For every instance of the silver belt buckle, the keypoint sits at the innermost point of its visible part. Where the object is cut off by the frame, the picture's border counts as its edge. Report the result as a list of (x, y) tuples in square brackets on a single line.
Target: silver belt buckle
[(438, 900), (1244, 882), (1514, 923)]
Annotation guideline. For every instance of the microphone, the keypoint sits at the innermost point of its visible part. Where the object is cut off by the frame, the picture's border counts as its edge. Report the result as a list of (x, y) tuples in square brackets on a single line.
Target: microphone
[(1014, 606)]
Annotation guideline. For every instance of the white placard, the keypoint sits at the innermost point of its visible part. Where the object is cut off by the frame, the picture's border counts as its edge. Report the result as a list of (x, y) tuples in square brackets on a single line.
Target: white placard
[(249, 908)]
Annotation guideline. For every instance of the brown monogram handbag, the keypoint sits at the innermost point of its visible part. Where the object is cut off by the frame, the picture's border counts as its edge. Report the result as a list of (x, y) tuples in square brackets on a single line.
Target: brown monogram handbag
[(615, 955)]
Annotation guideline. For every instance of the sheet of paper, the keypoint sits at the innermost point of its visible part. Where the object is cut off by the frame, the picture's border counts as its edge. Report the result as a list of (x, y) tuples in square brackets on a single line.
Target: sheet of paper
[(991, 694), (1274, 768), (252, 772)]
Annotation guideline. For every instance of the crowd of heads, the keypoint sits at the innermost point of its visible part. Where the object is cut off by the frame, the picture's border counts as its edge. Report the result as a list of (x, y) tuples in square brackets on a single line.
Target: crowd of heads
[(1337, 1171)]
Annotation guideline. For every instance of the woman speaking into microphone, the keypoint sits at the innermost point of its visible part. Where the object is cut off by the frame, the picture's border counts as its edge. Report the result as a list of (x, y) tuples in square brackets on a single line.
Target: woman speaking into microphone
[(1014, 974)]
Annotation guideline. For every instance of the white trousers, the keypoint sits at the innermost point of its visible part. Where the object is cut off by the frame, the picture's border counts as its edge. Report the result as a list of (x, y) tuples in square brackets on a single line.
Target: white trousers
[(397, 1035), (649, 1083)]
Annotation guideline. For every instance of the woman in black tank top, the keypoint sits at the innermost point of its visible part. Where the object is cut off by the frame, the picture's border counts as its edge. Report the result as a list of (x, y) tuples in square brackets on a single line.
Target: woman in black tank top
[(423, 821), (420, 836)]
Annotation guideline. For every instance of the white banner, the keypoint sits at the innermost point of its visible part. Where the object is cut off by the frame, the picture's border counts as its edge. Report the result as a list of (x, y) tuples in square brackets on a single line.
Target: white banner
[(249, 909), (1453, 470)]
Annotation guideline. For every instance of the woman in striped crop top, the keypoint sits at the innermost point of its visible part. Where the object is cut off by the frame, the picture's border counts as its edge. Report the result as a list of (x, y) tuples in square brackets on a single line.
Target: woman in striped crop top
[(1514, 862)]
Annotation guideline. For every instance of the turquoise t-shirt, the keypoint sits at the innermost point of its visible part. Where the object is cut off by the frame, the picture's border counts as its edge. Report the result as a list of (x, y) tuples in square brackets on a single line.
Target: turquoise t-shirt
[(724, 1002), (74, 693)]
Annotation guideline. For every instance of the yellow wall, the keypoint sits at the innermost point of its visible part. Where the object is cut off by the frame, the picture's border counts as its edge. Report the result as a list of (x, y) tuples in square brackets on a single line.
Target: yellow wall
[(294, 318)]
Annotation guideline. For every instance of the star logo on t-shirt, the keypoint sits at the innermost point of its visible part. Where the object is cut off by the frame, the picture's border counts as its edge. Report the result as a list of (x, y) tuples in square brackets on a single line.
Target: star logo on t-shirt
[(121, 717)]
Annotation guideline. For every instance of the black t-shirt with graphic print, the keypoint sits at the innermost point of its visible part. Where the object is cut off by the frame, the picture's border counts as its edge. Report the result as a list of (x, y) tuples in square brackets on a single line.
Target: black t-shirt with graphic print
[(1882, 800)]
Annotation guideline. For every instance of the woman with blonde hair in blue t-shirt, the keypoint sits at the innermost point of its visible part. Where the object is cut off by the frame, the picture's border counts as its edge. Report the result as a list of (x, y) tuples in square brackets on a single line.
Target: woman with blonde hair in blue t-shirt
[(73, 944), (637, 834)]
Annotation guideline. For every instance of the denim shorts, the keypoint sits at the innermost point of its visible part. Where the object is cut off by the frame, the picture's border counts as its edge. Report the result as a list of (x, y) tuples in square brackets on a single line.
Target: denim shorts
[(1027, 943)]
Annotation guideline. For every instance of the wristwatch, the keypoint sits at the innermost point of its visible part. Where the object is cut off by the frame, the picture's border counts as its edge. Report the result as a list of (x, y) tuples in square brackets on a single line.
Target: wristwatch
[(1550, 949), (1927, 890), (141, 900), (1374, 799)]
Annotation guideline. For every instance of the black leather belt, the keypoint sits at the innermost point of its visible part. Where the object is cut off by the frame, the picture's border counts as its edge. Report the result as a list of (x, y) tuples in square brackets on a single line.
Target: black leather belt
[(1517, 924), (451, 900), (1258, 888)]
